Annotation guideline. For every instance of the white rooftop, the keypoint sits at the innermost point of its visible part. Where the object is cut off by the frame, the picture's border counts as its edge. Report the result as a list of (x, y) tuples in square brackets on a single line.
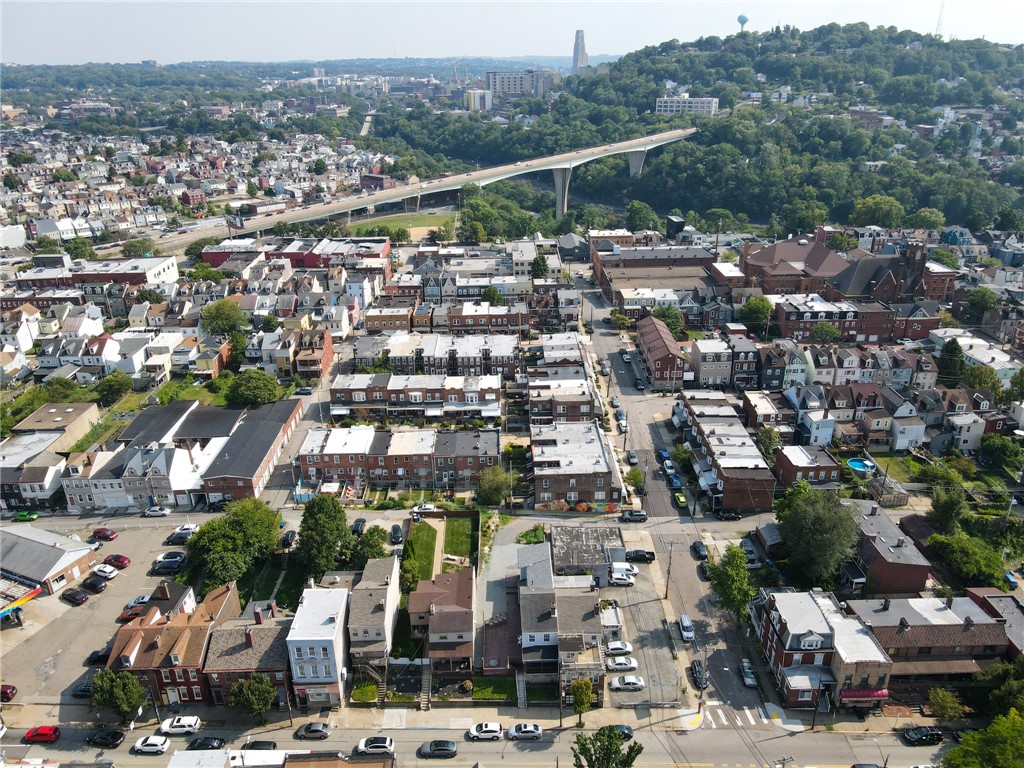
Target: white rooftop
[(320, 615)]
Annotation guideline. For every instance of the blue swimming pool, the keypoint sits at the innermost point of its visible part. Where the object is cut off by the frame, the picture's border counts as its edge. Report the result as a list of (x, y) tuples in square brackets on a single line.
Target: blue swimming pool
[(862, 468)]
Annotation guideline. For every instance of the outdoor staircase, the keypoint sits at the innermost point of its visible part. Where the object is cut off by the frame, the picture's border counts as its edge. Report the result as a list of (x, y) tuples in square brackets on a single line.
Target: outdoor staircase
[(521, 690), (425, 682), (382, 692)]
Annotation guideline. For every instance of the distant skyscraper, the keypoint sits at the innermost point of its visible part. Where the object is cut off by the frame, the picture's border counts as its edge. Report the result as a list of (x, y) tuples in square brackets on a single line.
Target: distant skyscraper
[(579, 53)]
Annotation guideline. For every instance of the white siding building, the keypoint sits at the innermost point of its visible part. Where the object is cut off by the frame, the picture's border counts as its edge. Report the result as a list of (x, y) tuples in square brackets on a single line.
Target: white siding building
[(318, 648)]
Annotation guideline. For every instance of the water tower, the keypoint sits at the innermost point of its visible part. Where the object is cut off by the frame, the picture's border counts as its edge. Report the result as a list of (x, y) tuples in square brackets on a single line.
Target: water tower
[(742, 19)]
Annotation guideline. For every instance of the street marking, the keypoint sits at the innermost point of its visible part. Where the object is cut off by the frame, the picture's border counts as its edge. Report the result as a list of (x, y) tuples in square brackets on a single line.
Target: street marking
[(725, 720), (760, 713), (750, 715), (738, 723), (711, 722)]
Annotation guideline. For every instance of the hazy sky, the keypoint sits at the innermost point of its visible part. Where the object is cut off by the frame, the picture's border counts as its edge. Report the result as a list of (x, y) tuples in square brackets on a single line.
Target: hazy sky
[(45, 32)]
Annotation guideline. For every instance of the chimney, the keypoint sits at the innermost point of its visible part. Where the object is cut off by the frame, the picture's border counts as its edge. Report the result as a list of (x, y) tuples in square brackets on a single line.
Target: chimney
[(271, 610), (248, 636), (886, 603), (163, 591), (432, 609), (949, 603), (554, 610), (874, 510), (258, 615), (901, 541)]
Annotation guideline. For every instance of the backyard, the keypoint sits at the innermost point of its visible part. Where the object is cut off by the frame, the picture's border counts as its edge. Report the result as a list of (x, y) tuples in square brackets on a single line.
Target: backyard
[(420, 546)]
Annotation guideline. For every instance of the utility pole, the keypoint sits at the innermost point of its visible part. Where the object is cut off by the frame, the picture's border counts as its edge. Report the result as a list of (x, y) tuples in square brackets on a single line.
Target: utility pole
[(668, 572)]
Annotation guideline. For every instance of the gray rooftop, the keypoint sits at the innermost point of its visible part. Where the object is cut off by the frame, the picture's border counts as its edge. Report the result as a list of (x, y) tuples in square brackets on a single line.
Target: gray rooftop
[(251, 441), (34, 554), (576, 548), (884, 536), (230, 648), (919, 611)]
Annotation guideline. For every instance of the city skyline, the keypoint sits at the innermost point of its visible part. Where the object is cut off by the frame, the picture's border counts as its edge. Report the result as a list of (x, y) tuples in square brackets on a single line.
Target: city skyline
[(226, 30)]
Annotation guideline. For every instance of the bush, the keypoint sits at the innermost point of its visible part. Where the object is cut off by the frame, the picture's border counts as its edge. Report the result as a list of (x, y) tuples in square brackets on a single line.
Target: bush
[(534, 535)]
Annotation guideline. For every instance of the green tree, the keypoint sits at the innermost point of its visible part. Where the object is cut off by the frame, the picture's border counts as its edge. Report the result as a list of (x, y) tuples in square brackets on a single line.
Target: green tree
[(730, 580), (1015, 392), (409, 574), (203, 272), (803, 216), (318, 167), (981, 300), (471, 232), (224, 567), (222, 318), (247, 529), (606, 748), (681, 456), (11, 181), (1008, 220), (945, 704), (673, 319), (118, 691), (982, 377), (1001, 452), (80, 248), (823, 332), (539, 267), (640, 216), (253, 695), (1001, 745), (492, 295), (880, 210), (150, 295), (251, 389), (619, 320), (973, 562), (495, 485), (47, 244), (945, 258), (948, 506), (842, 242), (950, 364), (194, 250), (113, 387), (767, 440), (324, 535), (369, 546), (63, 174), (927, 218), (634, 477), (820, 535), (756, 313), (139, 248), (582, 692), (946, 319), (251, 188), (269, 323)]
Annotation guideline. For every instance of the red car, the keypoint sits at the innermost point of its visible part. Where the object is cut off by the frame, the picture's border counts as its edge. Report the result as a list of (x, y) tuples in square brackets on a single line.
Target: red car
[(7, 692), (132, 613), (104, 534), (43, 734), (118, 561)]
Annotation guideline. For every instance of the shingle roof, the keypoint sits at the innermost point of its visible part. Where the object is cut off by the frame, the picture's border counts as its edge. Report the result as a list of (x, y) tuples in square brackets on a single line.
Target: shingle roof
[(35, 554), (230, 649)]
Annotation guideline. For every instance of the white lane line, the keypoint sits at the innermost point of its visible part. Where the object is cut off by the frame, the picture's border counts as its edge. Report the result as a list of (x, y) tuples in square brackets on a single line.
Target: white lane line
[(761, 714), (750, 715), (725, 720), (711, 721)]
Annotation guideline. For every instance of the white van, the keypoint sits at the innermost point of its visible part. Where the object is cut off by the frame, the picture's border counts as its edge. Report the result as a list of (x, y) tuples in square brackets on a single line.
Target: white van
[(686, 627), (626, 569)]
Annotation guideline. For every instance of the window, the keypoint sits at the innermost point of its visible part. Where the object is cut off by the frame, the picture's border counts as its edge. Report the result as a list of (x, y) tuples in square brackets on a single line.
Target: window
[(197, 692), (192, 675), (300, 670), (804, 696), (327, 670), (324, 654), (166, 675), (926, 651), (179, 676), (314, 670), (298, 652), (848, 681)]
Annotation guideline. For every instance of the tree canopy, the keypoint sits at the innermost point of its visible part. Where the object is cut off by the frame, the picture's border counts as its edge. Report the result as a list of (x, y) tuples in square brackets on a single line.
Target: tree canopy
[(824, 332), (222, 318), (251, 389), (1001, 745), (756, 313), (253, 695), (120, 692), (820, 535), (950, 364), (230, 545), (324, 536), (730, 580), (605, 748)]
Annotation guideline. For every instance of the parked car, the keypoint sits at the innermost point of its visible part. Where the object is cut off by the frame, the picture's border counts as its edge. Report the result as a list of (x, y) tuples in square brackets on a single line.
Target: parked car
[(670, 468), (492, 731), (187, 528), (722, 515), (699, 550), (626, 357), (921, 736), (640, 384), (206, 742), (179, 537), (620, 414), (631, 458), (7, 693), (700, 674), (137, 601), (615, 401), (421, 508), (438, 749), (623, 730), (628, 683), (622, 664), (74, 596), (151, 745), (157, 511), (82, 690), (43, 734), (288, 540), (218, 506), (621, 580), (267, 745), (104, 534), (1010, 580), (633, 516), (704, 570), (639, 556), (674, 483), (98, 658), (618, 648), (167, 567), (25, 516), (304, 391), (108, 572), (129, 614), (181, 724), (117, 561), (747, 673), (313, 731), (174, 556), (376, 745), (530, 731), (94, 584), (662, 455), (107, 738), (359, 526), (680, 499), (396, 534)]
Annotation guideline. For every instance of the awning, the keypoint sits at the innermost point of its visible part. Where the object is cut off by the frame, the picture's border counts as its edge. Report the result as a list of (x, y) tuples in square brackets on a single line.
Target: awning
[(862, 694), (433, 411)]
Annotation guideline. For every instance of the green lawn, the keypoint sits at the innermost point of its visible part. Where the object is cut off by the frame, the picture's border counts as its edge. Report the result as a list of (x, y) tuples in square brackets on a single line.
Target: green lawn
[(458, 536), (403, 220), (420, 545), (365, 692), (898, 467), (292, 585), (493, 688), (403, 644)]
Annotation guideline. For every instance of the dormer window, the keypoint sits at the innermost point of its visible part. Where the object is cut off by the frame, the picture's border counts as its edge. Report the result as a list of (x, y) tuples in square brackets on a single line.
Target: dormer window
[(175, 659)]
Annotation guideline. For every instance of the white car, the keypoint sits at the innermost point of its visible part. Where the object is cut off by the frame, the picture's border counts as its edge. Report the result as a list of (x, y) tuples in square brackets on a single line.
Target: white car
[(151, 745), (621, 580), (628, 683), (622, 664), (376, 745), (492, 731), (177, 725), (106, 571), (135, 602), (424, 508), (747, 673), (627, 568), (157, 512), (618, 648), (187, 528), (525, 731), (670, 468), (625, 357)]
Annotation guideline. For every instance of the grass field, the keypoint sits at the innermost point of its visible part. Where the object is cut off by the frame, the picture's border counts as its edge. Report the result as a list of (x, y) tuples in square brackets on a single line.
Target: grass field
[(403, 220), (458, 536), (422, 537)]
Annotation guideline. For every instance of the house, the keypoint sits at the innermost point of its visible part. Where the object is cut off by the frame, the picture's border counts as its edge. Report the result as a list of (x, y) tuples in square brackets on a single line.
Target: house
[(166, 652), (712, 362), (372, 614), (443, 610), (29, 454), (35, 558), (407, 397), (794, 463), (243, 647), (886, 561), (574, 466), (73, 420), (318, 648), (585, 551)]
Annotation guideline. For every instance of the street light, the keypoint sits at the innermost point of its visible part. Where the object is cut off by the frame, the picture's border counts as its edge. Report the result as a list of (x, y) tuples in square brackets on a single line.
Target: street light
[(885, 758)]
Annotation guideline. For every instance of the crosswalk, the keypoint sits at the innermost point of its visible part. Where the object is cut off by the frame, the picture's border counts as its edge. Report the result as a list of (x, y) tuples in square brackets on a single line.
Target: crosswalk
[(717, 716)]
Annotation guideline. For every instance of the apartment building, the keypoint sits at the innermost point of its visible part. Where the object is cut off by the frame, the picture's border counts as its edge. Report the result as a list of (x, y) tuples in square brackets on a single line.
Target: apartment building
[(318, 648)]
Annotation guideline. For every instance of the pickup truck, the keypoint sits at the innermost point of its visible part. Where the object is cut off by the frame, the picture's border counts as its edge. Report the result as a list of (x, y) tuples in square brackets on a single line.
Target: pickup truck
[(639, 556)]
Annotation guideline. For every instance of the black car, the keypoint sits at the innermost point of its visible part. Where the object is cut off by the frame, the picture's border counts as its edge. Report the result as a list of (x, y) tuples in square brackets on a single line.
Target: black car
[(396, 534), (699, 550), (704, 570), (98, 658), (438, 748), (922, 736), (623, 730), (358, 526), (219, 505), (700, 674), (728, 515), (95, 584), (639, 556), (270, 745), (640, 384), (288, 540), (82, 691), (178, 537), (107, 738), (206, 742), (167, 567), (74, 596)]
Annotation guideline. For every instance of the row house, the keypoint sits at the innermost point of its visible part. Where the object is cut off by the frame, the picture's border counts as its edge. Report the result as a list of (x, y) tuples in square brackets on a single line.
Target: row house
[(711, 360), (373, 615), (663, 357), (42, 299), (574, 467), (871, 321), (240, 648), (317, 645), (306, 354), (885, 561), (442, 611), (479, 317), (158, 269), (796, 463), (783, 365), (422, 353), (397, 396), (20, 328), (562, 394), (389, 320)]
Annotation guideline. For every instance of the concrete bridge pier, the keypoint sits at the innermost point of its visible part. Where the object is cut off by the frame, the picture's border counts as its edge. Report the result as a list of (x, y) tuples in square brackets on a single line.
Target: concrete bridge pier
[(412, 204), (561, 190), (636, 162)]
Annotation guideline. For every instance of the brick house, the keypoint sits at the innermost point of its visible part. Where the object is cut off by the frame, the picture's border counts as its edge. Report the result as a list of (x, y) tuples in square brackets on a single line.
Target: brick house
[(662, 355), (388, 319), (886, 562), (241, 648), (794, 463), (193, 198), (443, 610), (372, 614), (574, 466), (314, 353), (430, 396)]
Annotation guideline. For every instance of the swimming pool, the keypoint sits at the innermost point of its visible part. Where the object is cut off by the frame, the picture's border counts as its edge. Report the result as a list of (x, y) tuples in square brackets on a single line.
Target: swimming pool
[(862, 468)]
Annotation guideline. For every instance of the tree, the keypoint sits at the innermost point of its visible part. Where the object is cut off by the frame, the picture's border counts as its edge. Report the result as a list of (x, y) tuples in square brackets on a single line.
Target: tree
[(224, 567), (251, 389), (824, 332), (640, 216), (756, 314), (842, 242), (946, 319), (492, 295), (945, 258), (950, 364), (318, 167), (409, 575), (1001, 452), (495, 485), (767, 440), (539, 267), (11, 181), (1010, 220), (948, 506), (582, 692), (269, 323), (222, 318), (323, 534), (251, 189), (248, 530), (945, 704), (973, 562), (119, 691), (982, 377), (673, 319), (150, 295), (369, 546), (1001, 745), (619, 320), (1015, 392), (820, 535), (63, 174), (880, 210), (634, 477), (47, 244), (927, 218), (471, 232), (981, 300), (113, 387), (730, 579), (253, 695), (139, 248), (80, 248), (194, 250), (803, 216), (681, 455), (606, 748), (203, 271)]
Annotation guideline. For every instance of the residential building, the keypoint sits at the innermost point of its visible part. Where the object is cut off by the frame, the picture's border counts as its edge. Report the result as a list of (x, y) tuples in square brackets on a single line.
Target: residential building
[(663, 357), (886, 561), (443, 610), (427, 396), (574, 466), (73, 420), (318, 648), (373, 612), (711, 360), (243, 647), (685, 105), (417, 354), (794, 463)]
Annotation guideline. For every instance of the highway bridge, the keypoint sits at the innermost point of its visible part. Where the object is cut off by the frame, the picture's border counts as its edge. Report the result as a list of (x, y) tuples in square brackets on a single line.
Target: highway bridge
[(560, 165)]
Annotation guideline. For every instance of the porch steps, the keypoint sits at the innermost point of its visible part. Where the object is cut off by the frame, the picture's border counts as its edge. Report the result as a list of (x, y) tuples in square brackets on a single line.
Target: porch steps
[(382, 692), (521, 690), (425, 682)]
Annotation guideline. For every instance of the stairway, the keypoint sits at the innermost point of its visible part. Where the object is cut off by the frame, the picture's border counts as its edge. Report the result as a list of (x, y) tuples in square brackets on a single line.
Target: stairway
[(382, 692), (425, 682), (521, 690)]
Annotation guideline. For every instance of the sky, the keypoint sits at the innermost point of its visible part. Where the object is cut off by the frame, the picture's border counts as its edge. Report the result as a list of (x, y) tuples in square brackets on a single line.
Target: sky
[(51, 32)]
